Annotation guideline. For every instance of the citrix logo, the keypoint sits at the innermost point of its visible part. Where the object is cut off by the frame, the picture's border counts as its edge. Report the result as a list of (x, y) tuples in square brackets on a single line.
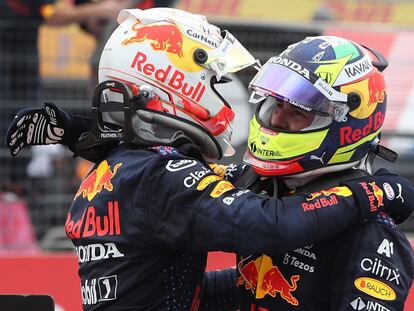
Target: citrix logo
[(377, 268)]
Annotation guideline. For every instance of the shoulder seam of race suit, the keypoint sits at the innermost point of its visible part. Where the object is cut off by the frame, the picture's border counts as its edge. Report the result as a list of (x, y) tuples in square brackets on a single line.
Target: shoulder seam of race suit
[(160, 158)]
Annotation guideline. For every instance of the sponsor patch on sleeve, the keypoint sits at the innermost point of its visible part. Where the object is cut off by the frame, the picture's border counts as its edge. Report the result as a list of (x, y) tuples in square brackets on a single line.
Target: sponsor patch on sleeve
[(375, 288), (179, 165), (221, 187), (164, 150), (219, 169), (206, 181)]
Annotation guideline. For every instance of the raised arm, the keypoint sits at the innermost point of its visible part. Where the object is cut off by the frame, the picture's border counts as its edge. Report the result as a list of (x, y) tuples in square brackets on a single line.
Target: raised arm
[(205, 213)]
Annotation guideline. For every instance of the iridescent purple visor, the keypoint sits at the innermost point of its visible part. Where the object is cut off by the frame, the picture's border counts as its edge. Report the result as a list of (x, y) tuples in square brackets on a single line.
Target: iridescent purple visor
[(288, 85)]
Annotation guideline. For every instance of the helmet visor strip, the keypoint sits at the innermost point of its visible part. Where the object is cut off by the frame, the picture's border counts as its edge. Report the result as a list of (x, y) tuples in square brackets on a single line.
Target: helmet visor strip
[(304, 90), (229, 57)]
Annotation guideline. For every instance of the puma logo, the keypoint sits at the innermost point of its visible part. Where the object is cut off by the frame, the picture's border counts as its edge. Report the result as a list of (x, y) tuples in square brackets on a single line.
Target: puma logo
[(314, 157), (400, 193)]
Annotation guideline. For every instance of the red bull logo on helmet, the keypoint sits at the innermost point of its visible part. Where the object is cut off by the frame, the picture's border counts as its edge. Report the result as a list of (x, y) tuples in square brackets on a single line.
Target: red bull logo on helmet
[(98, 180), (175, 78), (163, 37), (376, 86), (375, 89), (264, 278), (350, 135)]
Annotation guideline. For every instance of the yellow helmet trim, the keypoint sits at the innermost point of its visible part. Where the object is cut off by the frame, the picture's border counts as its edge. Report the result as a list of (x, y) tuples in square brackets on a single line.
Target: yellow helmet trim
[(272, 146), (344, 154)]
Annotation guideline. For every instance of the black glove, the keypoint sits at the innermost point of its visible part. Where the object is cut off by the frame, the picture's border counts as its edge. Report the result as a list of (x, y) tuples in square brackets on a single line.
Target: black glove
[(384, 191), (45, 126)]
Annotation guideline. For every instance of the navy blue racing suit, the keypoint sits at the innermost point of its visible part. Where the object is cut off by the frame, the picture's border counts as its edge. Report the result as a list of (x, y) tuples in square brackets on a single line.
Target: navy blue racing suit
[(144, 219), (369, 267)]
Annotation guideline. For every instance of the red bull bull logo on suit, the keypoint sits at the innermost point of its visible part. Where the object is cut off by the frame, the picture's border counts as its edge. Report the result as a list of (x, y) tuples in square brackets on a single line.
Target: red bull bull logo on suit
[(375, 195), (325, 198), (98, 180), (262, 277)]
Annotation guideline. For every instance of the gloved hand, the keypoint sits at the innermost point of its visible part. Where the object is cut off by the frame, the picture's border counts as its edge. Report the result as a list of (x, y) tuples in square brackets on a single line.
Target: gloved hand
[(384, 191), (44, 126)]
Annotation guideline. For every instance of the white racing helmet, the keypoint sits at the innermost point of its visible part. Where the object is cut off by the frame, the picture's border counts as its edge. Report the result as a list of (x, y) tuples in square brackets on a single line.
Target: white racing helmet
[(175, 59)]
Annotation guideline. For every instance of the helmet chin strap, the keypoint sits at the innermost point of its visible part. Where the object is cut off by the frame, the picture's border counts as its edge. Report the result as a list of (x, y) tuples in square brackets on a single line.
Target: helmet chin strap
[(144, 126), (201, 139)]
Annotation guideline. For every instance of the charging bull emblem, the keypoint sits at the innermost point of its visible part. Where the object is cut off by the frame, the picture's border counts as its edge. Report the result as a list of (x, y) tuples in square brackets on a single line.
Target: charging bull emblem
[(264, 278), (164, 37), (98, 180)]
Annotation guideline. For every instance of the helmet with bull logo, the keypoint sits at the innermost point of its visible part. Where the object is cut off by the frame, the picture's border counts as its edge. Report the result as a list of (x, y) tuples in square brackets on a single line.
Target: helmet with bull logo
[(339, 81), (175, 59)]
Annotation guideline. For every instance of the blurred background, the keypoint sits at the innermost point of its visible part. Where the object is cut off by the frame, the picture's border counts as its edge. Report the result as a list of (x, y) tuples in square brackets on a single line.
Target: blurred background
[(36, 188)]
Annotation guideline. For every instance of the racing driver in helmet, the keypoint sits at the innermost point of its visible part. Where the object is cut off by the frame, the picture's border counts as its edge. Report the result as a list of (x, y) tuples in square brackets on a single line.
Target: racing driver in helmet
[(151, 208), (321, 105)]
